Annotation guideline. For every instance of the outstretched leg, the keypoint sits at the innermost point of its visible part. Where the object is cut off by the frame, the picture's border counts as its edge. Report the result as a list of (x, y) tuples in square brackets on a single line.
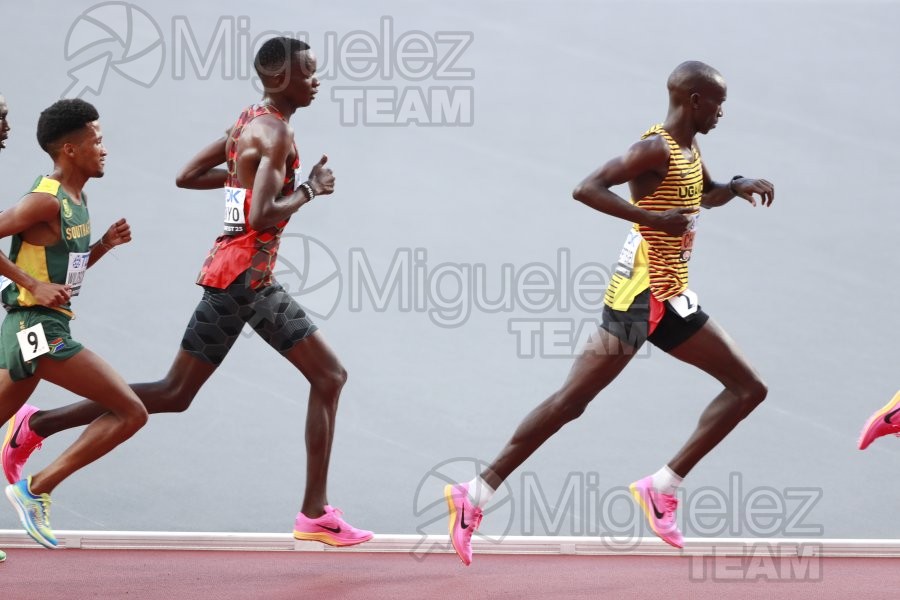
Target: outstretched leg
[(83, 373), (87, 374), (594, 369), (317, 520), (600, 362), (326, 377), (173, 393), (714, 352)]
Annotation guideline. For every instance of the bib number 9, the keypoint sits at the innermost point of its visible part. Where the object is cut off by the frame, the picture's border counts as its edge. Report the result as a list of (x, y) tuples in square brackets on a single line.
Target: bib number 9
[(33, 342)]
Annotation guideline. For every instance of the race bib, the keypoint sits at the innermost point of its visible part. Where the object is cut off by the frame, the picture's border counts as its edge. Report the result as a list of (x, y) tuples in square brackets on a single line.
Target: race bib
[(33, 342), (685, 304), (687, 239), (78, 264), (234, 210), (625, 265), (4, 283)]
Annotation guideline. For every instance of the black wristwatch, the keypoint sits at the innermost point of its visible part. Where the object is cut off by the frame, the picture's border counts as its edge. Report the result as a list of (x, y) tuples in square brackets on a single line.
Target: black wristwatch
[(731, 183)]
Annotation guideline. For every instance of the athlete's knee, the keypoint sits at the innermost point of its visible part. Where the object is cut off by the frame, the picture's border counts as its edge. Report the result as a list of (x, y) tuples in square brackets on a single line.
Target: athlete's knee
[(165, 396), (332, 381), (176, 400), (134, 416), (751, 393)]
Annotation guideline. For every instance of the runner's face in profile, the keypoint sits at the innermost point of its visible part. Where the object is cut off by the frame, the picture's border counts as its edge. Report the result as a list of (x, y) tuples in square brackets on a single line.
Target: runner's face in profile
[(89, 153), (708, 105), (303, 83)]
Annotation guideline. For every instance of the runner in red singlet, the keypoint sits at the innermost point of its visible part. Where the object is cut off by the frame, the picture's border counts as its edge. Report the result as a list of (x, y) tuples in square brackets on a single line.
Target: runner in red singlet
[(260, 197)]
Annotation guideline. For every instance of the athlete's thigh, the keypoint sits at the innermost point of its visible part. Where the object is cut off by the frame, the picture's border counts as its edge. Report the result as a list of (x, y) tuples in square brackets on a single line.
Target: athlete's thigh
[(713, 351), (314, 357), (279, 320), (86, 374), (13, 394), (214, 325), (600, 361), (188, 373)]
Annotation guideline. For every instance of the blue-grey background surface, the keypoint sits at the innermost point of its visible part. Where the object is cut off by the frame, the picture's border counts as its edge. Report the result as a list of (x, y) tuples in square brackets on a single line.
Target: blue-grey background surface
[(808, 288)]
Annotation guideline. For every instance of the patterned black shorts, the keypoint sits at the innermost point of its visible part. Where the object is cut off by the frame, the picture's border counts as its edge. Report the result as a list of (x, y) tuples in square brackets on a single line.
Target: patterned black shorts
[(221, 314)]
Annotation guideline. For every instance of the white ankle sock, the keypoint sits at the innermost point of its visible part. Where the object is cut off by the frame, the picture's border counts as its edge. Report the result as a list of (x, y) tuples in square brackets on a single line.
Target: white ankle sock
[(665, 481), (480, 492)]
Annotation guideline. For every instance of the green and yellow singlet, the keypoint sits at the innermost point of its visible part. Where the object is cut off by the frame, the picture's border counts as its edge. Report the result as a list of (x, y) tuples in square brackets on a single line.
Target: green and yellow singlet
[(63, 263)]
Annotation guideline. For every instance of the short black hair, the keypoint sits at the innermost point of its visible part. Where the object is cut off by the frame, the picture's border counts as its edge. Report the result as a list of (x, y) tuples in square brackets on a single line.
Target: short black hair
[(274, 53), (62, 118)]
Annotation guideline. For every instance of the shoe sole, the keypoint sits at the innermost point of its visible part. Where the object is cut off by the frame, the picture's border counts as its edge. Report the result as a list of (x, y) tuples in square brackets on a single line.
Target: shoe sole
[(636, 493), (327, 539), (879, 414), (26, 523), (448, 496)]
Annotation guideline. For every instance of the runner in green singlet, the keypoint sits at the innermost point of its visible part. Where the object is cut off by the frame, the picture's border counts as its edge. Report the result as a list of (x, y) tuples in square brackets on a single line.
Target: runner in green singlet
[(50, 253)]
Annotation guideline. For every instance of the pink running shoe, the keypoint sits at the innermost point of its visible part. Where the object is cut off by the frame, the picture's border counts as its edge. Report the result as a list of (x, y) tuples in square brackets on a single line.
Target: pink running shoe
[(465, 518), (883, 422), (19, 443), (329, 529), (660, 511)]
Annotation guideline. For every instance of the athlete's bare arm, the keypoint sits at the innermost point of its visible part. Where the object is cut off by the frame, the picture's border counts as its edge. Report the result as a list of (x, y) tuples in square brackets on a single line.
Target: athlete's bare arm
[(719, 194), (118, 233), (262, 161), (201, 172), (36, 219), (643, 167)]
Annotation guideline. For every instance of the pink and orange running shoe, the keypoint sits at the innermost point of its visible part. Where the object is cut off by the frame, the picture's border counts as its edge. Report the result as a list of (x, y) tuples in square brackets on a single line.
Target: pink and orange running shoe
[(659, 509), (465, 518), (329, 529), (19, 443), (885, 421)]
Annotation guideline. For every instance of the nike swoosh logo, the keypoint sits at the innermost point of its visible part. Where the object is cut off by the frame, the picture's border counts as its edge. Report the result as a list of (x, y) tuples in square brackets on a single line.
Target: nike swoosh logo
[(12, 442), (331, 529), (658, 514), (887, 417), (462, 519)]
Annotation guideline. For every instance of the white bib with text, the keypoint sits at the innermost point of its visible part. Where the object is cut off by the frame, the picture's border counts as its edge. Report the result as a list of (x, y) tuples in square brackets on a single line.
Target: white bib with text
[(78, 264)]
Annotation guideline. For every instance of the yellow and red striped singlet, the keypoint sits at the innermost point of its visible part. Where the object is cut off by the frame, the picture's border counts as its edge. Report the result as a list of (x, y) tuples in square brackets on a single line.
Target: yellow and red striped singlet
[(654, 258)]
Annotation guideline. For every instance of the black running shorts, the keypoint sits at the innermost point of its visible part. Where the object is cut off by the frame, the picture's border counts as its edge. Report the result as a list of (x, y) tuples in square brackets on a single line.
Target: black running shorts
[(221, 314), (648, 319)]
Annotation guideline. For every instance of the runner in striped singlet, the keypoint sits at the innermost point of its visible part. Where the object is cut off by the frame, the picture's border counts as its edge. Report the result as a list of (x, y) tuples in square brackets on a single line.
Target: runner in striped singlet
[(647, 299)]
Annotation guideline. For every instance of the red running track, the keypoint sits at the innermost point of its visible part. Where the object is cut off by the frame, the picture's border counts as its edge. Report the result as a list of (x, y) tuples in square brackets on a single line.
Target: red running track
[(37, 574)]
